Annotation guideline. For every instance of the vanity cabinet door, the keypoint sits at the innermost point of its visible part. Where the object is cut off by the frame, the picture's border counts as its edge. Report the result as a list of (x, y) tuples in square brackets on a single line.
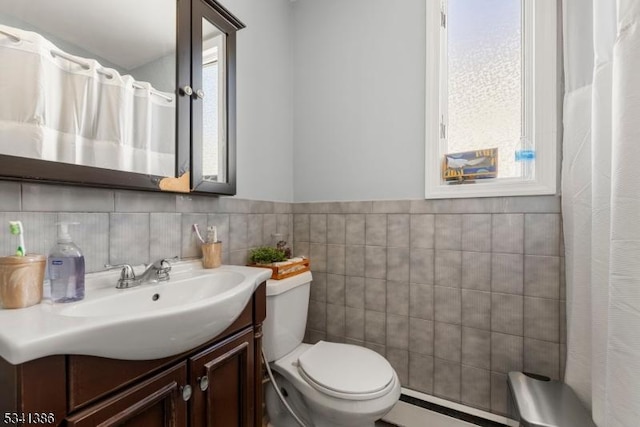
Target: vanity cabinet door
[(223, 381), (157, 401)]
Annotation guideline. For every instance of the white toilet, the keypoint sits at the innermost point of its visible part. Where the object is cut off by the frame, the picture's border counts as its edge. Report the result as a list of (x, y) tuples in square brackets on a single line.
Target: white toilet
[(327, 384)]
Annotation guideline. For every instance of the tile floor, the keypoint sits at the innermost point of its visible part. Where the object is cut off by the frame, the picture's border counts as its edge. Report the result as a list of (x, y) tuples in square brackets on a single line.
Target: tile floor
[(432, 419), (406, 415), (424, 419)]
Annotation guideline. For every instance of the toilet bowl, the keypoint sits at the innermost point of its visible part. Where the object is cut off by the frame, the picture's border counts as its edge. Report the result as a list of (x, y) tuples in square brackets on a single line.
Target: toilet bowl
[(334, 385), (327, 384)]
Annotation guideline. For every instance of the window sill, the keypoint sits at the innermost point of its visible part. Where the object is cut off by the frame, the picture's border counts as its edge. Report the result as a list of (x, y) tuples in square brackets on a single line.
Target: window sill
[(490, 189)]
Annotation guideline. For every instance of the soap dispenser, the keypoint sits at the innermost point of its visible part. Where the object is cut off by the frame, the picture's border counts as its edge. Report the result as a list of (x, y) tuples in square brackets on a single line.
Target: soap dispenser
[(66, 268)]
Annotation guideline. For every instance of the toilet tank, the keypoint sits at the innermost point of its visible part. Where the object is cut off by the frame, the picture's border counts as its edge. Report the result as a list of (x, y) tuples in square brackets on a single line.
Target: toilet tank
[(286, 321)]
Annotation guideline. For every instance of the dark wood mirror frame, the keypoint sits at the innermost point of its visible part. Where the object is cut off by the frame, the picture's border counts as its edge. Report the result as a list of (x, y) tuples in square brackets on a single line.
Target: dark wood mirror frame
[(228, 24), (188, 137)]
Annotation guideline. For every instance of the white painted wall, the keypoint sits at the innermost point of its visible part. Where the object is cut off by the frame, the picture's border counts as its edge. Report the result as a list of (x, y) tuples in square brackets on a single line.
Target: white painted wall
[(359, 69), (265, 99), (330, 99)]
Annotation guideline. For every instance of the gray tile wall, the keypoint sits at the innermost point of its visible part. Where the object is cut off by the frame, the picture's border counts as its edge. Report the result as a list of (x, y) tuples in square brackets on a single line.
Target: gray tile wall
[(455, 293), (136, 227)]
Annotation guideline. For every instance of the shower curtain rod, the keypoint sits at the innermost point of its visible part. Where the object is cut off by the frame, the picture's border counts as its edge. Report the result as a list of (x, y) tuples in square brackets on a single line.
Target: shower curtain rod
[(107, 74), (70, 58), (153, 92), (11, 36), (87, 66)]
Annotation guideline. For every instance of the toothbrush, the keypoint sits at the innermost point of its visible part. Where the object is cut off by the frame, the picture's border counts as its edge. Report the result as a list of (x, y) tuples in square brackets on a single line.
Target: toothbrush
[(195, 228), (15, 227), (212, 234)]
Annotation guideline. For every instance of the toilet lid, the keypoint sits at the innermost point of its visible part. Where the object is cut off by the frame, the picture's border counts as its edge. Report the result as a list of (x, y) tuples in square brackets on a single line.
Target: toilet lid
[(346, 371)]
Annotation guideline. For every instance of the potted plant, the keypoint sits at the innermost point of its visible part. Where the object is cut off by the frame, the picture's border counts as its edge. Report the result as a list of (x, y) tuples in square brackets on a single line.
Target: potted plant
[(266, 255), (278, 261)]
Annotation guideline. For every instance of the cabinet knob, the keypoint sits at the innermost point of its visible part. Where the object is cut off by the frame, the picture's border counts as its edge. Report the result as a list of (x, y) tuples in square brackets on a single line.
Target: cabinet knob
[(204, 383), (200, 93), (187, 391), (186, 90)]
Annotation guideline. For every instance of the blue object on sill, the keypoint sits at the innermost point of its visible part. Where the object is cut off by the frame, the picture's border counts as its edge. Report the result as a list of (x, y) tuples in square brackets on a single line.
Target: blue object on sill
[(525, 155)]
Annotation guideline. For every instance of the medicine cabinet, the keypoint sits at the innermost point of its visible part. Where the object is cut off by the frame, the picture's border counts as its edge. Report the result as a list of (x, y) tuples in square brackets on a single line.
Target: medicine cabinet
[(119, 94)]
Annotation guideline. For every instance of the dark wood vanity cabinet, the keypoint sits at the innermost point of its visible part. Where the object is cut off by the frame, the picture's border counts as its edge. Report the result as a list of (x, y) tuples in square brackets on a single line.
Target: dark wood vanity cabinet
[(224, 380), (218, 384), (155, 402)]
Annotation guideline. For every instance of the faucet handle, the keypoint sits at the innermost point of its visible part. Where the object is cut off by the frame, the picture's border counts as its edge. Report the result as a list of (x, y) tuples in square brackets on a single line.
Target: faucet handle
[(127, 270), (127, 275), (175, 258), (164, 263), (164, 267)]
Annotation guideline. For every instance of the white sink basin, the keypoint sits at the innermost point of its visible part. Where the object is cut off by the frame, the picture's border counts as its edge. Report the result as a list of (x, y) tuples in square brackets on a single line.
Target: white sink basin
[(150, 321), (196, 290)]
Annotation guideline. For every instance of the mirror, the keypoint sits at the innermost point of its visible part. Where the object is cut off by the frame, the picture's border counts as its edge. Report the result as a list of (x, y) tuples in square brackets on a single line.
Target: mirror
[(91, 83), (214, 115), (90, 93)]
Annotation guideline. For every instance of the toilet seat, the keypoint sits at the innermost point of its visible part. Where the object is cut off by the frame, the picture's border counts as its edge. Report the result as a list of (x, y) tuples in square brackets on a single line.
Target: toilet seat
[(327, 410), (346, 371)]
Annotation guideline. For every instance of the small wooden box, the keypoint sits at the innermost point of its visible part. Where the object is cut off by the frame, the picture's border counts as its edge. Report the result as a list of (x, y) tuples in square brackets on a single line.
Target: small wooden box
[(284, 269)]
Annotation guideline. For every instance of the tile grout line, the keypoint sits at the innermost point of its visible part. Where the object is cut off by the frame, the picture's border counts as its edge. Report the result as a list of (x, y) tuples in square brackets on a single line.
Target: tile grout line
[(409, 305), (20, 197), (491, 217), (524, 245), (460, 295), (386, 283), (433, 302), (149, 243)]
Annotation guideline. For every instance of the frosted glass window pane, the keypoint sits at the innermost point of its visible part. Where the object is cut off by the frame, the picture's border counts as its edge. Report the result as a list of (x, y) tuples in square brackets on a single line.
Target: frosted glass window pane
[(485, 78)]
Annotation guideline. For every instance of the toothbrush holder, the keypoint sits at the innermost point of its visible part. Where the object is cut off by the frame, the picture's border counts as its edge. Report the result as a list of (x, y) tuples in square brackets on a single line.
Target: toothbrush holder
[(212, 255), (21, 279)]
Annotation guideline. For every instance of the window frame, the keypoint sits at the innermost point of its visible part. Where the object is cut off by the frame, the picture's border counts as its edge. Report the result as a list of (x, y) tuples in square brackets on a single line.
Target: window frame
[(540, 106)]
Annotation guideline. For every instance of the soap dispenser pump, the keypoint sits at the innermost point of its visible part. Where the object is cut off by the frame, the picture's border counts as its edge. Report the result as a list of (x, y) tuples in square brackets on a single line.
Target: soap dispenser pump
[(66, 267)]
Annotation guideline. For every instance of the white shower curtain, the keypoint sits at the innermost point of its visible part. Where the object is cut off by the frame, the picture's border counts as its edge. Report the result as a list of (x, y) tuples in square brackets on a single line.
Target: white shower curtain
[(52, 108), (601, 206)]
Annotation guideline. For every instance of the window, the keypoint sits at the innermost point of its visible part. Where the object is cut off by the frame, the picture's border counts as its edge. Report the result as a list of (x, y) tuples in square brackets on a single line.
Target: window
[(491, 83)]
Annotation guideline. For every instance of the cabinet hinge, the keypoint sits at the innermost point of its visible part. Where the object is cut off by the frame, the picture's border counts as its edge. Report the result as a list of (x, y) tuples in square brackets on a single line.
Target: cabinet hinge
[(443, 18), (443, 130)]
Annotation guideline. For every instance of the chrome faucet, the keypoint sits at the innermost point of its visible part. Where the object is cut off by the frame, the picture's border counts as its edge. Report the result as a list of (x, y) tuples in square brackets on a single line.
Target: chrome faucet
[(157, 271)]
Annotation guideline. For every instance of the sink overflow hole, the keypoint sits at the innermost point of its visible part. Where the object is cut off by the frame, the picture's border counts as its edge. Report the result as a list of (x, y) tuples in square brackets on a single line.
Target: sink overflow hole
[(155, 297)]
